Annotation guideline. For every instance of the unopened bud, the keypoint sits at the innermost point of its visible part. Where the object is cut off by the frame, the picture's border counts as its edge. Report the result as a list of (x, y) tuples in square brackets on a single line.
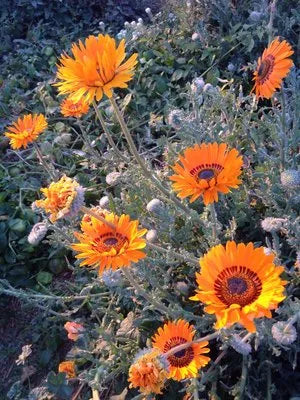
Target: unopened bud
[(182, 288), (284, 333), (195, 36), (271, 224), (38, 232), (237, 343), (104, 202), (113, 178), (155, 206), (151, 235), (290, 178)]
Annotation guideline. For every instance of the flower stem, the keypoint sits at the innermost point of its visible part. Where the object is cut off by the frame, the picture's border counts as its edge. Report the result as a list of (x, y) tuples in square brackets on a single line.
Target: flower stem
[(107, 133), (97, 216), (87, 140), (132, 280), (139, 160), (292, 321), (243, 378), (270, 24), (43, 162), (214, 221), (283, 133), (191, 259)]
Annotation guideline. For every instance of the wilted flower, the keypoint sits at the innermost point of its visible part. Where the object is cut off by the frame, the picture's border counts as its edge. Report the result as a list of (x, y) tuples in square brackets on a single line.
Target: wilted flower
[(37, 233), (290, 178), (68, 367), (26, 351), (197, 85), (284, 333), (26, 130), (271, 224), (155, 206), (63, 198), (242, 347), (113, 178), (151, 235), (74, 330), (148, 372), (175, 119)]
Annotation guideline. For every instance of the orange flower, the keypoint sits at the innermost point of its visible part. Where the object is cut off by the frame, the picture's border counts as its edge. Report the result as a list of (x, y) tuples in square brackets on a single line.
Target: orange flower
[(148, 372), (95, 68), (69, 108), (206, 169), (73, 330), (104, 247), (272, 67), (184, 363), (62, 199), (25, 130), (239, 283), (68, 367)]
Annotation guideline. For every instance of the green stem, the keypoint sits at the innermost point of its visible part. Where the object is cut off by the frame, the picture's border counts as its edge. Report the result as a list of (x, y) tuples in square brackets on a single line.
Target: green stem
[(292, 321), (269, 382), (191, 259), (243, 378), (214, 221), (132, 280), (270, 24), (196, 393), (86, 210), (107, 133), (283, 133), (139, 160), (87, 140), (43, 162)]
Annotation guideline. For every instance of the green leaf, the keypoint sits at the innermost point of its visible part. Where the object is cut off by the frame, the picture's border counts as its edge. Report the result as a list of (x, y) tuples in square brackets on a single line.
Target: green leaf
[(44, 277)]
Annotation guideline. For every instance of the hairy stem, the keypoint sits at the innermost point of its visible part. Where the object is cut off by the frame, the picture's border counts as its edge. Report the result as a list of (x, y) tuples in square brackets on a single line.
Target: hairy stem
[(190, 259), (97, 216), (44, 162)]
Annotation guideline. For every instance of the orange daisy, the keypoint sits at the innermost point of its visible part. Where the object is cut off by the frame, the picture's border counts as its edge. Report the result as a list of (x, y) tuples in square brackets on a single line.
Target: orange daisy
[(239, 283), (74, 330), (185, 363), (69, 108), (272, 67), (206, 169), (95, 68), (101, 246), (26, 130), (148, 372), (68, 367)]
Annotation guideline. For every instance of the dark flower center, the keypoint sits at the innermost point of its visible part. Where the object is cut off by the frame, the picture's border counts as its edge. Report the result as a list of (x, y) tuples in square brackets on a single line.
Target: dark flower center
[(265, 68), (237, 285), (206, 174), (112, 241), (181, 358)]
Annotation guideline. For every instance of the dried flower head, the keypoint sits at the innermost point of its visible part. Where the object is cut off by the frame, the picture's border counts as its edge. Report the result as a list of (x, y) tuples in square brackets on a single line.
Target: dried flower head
[(148, 372), (205, 170), (272, 67), (37, 233), (155, 206), (242, 347), (94, 69), (25, 130), (290, 178), (151, 235), (100, 246), (70, 108), (68, 367), (63, 198), (113, 178), (239, 283), (284, 333), (104, 202), (74, 330), (184, 363), (175, 119), (26, 351), (271, 224)]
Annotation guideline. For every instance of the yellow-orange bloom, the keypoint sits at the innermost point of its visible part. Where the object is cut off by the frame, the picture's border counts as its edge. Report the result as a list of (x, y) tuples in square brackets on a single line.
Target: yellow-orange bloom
[(73, 330), (95, 69), (239, 283), (69, 108), (272, 67), (206, 169), (148, 372), (63, 198), (68, 367), (184, 363), (101, 246), (25, 130)]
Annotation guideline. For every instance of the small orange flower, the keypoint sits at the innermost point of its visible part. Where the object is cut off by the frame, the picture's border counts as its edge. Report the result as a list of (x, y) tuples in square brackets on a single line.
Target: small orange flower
[(206, 169), (25, 130), (184, 363), (95, 69), (272, 67), (68, 367), (73, 330), (69, 108), (238, 283), (103, 247), (148, 372)]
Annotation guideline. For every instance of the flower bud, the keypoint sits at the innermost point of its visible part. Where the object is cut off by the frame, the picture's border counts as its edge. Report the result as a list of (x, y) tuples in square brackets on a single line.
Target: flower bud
[(133, 24), (113, 178), (197, 85), (175, 119), (151, 235), (237, 343), (284, 333), (231, 67), (195, 36), (255, 16), (271, 224), (148, 10), (290, 178), (140, 20), (155, 206), (182, 288), (104, 202), (111, 278), (38, 232)]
